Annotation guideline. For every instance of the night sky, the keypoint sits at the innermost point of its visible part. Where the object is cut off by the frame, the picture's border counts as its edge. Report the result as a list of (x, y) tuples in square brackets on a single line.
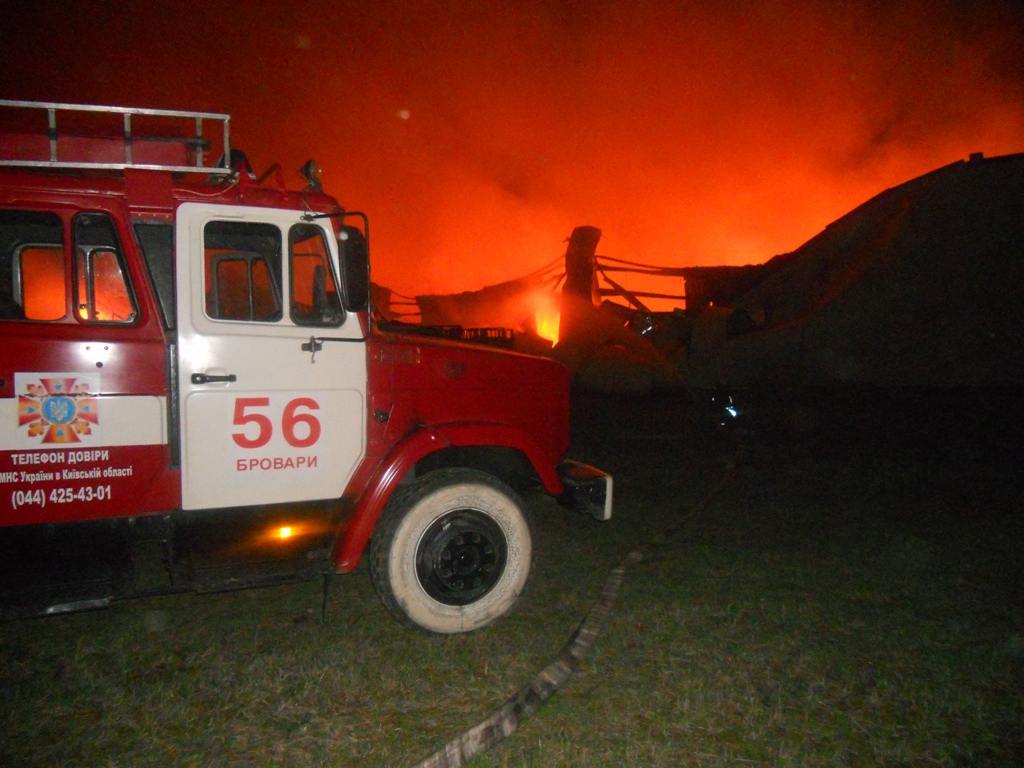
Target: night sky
[(476, 136)]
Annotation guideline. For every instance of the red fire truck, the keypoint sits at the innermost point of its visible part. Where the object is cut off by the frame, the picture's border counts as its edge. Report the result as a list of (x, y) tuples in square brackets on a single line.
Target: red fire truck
[(195, 396)]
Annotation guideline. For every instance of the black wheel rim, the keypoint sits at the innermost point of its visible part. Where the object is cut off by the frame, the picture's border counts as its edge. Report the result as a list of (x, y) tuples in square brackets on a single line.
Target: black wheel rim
[(461, 556)]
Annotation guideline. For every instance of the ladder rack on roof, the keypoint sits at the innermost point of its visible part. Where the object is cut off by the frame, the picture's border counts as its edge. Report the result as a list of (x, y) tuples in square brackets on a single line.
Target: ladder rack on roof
[(137, 152)]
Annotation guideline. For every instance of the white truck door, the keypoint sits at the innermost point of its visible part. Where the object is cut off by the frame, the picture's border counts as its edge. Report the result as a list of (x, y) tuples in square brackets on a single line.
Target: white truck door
[(264, 420)]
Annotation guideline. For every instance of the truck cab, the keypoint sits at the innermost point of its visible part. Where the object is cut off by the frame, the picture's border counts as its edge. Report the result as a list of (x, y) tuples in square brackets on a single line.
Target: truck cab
[(195, 394)]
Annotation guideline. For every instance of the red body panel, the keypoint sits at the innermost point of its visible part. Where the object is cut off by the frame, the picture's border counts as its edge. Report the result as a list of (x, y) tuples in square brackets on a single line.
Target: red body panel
[(440, 394), (106, 482), (130, 359)]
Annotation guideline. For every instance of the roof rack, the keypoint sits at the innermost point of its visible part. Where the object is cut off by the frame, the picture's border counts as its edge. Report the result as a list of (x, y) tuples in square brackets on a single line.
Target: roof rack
[(106, 153)]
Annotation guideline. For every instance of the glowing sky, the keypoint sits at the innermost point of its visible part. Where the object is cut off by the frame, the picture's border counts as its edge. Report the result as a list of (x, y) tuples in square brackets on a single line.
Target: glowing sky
[(477, 135)]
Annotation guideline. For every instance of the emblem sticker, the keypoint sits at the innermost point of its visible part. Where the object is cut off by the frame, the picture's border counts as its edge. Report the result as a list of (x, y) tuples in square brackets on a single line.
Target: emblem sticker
[(58, 409)]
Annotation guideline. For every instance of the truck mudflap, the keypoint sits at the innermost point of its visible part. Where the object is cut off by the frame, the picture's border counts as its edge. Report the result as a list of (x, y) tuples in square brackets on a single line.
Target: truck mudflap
[(587, 489)]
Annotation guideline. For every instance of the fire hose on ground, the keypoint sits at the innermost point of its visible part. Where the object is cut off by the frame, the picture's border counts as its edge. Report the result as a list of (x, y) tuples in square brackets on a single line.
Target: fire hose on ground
[(526, 701)]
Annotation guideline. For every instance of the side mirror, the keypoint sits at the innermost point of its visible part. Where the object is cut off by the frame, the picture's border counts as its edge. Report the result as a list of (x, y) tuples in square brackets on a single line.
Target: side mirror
[(354, 248)]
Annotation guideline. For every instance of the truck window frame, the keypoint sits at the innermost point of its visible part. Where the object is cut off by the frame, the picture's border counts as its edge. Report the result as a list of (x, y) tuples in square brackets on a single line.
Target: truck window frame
[(214, 256), (331, 314), (22, 230), (86, 252)]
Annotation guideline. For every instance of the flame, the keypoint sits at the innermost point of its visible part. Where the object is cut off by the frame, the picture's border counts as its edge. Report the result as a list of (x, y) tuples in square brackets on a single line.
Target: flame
[(546, 315), (547, 324)]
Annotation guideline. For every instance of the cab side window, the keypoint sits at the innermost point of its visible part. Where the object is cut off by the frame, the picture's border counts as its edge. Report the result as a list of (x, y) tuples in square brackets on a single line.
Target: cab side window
[(242, 271), (41, 275), (314, 292), (32, 274), (101, 288)]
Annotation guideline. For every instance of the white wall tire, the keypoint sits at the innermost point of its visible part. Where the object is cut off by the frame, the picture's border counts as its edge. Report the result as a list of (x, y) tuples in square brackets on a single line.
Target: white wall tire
[(452, 551)]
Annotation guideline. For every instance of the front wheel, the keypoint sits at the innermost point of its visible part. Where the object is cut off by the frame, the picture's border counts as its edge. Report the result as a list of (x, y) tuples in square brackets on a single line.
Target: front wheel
[(451, 552)]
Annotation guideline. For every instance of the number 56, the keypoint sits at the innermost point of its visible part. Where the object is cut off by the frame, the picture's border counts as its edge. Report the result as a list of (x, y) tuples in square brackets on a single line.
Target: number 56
[(289, 420)]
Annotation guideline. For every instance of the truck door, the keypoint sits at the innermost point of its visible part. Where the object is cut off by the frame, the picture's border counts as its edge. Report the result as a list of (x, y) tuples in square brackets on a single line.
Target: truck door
[(263, 419)]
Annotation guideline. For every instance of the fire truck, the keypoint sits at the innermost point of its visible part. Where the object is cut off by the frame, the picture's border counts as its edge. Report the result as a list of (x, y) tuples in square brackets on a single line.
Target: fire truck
[(196, 396)]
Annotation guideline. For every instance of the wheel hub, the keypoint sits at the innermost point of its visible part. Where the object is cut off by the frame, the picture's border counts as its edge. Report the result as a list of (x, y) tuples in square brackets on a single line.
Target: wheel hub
[(461, 556)]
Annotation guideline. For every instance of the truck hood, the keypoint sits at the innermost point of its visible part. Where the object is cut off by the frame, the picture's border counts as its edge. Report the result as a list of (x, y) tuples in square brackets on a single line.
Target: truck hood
[(432, 381)]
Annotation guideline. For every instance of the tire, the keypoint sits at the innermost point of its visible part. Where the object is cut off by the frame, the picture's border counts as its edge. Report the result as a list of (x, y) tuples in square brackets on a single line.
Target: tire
[(451, 552)]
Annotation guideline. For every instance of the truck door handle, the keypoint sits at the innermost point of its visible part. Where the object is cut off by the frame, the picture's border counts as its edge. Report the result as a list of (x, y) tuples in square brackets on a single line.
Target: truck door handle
[(205, 378)]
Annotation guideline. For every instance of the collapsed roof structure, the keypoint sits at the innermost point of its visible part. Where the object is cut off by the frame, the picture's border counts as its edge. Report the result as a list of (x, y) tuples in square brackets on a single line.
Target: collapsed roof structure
[(922, 285)]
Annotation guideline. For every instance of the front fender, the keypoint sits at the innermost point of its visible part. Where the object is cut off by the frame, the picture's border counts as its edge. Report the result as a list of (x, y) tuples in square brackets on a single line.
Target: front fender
[(373, 497)]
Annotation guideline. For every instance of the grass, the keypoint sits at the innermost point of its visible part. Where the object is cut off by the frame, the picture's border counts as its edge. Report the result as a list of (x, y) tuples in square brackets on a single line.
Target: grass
[(853, 601)]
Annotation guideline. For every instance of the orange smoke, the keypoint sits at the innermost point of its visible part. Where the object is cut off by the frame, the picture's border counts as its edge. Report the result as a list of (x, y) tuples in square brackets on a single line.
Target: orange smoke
[(476, 136), (690, 135)]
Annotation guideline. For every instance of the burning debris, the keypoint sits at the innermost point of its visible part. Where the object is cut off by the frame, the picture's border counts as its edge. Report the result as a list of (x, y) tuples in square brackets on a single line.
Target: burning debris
[(561, 313), (919, 286), (601, 342)]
